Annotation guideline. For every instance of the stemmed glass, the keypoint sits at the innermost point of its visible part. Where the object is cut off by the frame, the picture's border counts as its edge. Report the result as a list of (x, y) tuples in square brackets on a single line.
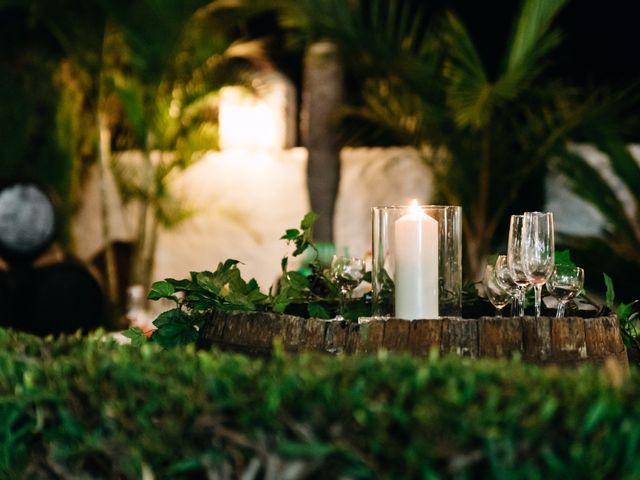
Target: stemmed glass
[(537, 251), (565, 283), (497, 295), (505, 280), (515, 259), (347, 273)]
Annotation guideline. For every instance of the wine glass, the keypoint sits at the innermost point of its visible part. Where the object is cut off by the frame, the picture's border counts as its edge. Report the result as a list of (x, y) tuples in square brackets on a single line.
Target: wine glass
[(505, 280), (515, 259), (347, 273), (537, 251), (564, 284), (497, 295)]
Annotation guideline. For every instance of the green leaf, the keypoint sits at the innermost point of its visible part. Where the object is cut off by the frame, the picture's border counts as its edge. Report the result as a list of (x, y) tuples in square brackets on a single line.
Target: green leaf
[(211, 282), (563, 257), (532, 37), (162, 289), (317, 310), (290, 234), (298, 280), (280, 303), (174, 327), (308, 220), (610, 296), (137, 336), (624, 311)]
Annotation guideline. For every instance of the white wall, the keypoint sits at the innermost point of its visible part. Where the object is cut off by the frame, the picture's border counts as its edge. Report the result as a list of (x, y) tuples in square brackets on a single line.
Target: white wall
[(243, 201)]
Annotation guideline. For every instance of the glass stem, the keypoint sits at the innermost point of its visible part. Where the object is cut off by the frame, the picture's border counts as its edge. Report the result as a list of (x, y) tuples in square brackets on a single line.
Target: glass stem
[(538, 292), (343, 296), (560, 311), (523, 294)]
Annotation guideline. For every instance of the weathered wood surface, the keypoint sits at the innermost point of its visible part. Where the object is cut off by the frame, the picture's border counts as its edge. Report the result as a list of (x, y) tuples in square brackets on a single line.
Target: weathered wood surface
[(567, 342)]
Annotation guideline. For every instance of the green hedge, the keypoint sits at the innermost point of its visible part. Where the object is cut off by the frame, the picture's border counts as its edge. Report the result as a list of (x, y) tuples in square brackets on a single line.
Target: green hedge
[(89, 408)]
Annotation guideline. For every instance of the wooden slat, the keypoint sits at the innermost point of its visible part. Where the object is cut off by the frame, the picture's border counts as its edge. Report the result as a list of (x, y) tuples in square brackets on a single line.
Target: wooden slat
[(536, 339), (424, 336), (212, 330), (603, 339), (371, 336), (253, 332), (568, 343), (460, 336), (304, 335), (499, 337), (336, 334), (396, 335)]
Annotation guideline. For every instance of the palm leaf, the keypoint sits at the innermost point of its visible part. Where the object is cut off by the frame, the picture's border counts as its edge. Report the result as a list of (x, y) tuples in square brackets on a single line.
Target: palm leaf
[(531, 42), (532, 38), (622, 161), (586, 182), (469, 95)]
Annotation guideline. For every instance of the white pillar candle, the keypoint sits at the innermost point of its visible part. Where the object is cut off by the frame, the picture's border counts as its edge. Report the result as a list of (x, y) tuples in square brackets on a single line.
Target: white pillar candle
[(416, 272)]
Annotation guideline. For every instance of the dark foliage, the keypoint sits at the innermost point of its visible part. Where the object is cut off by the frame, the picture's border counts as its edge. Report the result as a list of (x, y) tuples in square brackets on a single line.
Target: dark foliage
[(89, 408)]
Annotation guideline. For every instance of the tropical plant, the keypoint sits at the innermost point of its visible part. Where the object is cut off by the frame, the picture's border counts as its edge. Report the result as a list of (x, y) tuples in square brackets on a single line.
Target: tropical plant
[(173, 61), (617, 248), (486, 137)]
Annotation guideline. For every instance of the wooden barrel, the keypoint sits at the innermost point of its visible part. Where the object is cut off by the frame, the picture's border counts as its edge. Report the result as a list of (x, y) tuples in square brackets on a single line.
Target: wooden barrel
[(567, 341)]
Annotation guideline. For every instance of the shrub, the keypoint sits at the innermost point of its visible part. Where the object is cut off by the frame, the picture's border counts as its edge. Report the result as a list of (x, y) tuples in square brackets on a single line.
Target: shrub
[(88, 407)]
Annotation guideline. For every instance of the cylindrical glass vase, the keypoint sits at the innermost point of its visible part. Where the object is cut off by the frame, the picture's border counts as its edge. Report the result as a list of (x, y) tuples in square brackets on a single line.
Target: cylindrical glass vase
[(417, 261)]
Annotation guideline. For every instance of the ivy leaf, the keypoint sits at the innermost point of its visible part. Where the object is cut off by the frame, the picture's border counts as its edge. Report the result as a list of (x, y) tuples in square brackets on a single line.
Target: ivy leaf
[(309, 219), (180, 285), (624, 311), (209, 281), (280, 303), (174, 327), (610, 296), (563, 257), (290, 234), (162, 289), (137, 336), (317, 310), (297, 280)]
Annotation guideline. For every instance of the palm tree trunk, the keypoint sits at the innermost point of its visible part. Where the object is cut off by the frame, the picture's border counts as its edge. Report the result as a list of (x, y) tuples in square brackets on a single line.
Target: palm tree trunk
[(104, 158), (138, 266), (323, 88)]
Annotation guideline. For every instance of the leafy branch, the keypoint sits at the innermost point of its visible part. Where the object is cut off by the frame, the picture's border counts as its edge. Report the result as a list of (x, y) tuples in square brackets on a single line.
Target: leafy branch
[(312, 295), (628, 316)]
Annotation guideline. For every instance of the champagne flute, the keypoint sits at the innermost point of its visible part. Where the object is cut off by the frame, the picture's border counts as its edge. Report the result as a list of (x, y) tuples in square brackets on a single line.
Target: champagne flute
[(497, 295), (537, 251), (565, 283), (505, 280), (515, 260), (347, 272)]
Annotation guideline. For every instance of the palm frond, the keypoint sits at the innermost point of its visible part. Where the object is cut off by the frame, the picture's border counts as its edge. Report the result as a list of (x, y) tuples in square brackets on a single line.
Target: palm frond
[(469, 95), (532, 38), (622, 161), (586, 182)]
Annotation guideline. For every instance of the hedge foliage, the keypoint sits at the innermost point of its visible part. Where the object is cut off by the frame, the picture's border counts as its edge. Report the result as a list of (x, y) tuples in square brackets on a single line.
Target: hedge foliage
[(79, 407)]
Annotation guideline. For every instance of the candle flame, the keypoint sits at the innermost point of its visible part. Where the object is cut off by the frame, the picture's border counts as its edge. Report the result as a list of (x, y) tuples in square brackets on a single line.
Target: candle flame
[(413, 206)]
